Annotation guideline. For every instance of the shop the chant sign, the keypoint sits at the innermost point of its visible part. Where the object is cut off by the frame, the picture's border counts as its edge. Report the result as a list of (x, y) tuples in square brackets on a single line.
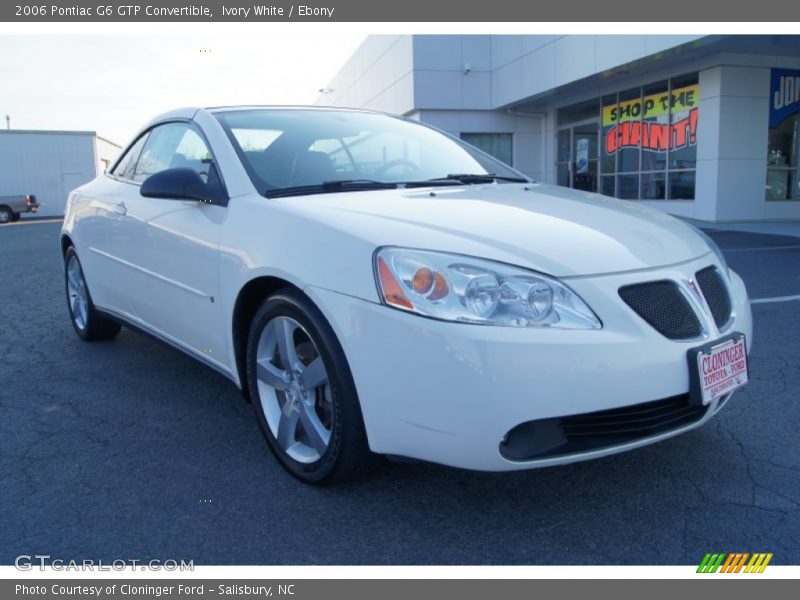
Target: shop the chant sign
[(784, 95), (646, 122)]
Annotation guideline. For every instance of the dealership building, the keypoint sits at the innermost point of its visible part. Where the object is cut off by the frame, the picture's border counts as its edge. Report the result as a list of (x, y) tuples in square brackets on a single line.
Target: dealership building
[(50, 164), (706, 127)]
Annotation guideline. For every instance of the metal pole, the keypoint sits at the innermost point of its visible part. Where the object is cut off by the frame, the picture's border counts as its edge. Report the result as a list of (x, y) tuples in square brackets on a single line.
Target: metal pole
[(8, 121)]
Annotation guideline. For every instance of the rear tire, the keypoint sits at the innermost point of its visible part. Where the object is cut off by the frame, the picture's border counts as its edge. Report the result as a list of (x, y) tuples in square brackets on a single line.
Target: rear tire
[(6, 215), (86, 321), (303, 392)]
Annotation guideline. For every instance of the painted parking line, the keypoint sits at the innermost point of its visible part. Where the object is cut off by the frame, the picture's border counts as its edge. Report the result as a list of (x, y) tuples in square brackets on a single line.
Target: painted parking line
[(775, 299), (33, 222)]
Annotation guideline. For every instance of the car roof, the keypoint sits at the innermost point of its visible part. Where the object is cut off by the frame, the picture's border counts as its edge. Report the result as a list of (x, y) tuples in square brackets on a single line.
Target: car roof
[(315, 107), (189, 112)]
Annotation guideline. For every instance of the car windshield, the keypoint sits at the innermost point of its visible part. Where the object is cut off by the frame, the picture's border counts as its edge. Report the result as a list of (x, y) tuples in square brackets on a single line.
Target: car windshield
[(296, 151)]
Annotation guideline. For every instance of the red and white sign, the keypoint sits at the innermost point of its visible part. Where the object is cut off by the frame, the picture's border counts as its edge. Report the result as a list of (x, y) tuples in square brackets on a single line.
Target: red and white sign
[(722, 369)]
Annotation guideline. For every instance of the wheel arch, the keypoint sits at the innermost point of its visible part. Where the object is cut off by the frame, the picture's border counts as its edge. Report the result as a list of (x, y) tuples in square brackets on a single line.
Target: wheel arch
[(66, 243), (249, 298)]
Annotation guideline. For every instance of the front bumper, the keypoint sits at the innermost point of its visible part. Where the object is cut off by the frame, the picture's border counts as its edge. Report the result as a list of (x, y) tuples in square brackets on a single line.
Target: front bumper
[(449, 392)]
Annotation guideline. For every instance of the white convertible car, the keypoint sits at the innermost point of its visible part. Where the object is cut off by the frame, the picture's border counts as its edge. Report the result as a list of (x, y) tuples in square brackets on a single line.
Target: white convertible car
[(377, 287)]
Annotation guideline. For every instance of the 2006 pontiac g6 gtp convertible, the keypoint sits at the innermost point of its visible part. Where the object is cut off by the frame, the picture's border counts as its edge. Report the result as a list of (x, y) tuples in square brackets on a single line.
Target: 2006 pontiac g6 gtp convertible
[(377, 287)]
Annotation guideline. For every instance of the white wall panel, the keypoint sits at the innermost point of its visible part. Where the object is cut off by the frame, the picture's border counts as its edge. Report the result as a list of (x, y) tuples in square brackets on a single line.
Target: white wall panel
[(46, 164)]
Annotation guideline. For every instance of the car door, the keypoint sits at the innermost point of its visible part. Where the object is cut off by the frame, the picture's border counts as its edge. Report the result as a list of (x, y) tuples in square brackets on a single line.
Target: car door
[(100, 211), (168, 250)]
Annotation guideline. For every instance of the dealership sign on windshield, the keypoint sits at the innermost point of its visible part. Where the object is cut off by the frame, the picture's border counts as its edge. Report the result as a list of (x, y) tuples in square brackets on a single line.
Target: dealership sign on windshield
[(784, 95), (645, 121)]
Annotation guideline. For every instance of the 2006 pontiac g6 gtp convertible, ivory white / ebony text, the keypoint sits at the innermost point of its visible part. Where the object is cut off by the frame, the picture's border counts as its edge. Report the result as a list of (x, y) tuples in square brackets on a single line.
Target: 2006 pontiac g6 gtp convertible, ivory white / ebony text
[(377, 287)]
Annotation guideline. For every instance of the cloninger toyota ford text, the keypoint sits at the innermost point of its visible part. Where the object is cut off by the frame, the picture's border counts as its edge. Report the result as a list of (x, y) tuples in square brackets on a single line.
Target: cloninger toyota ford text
[(377, 287)]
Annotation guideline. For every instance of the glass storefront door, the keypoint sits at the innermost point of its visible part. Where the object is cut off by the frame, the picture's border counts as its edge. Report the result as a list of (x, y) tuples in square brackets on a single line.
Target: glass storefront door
[(577, 155)]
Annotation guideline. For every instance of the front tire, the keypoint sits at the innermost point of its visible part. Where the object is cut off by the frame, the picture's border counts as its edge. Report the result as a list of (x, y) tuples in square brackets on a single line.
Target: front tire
[(88, 324), (303, 392)]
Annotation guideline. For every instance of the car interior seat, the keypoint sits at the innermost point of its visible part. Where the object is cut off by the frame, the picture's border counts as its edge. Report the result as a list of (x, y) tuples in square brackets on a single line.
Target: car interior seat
[(311, 168)]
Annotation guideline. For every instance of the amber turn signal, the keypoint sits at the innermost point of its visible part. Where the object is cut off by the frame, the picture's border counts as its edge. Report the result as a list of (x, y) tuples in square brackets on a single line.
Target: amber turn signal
[(392, 292), (423, 281), (440, 288)]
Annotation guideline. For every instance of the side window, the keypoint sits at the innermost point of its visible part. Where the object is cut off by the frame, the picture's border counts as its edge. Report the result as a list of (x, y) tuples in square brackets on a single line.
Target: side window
[(171, 146), (126, 165)]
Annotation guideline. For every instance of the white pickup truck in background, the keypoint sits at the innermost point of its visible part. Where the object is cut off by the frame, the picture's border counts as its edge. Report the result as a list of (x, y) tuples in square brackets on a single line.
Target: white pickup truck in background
[(11, 207)]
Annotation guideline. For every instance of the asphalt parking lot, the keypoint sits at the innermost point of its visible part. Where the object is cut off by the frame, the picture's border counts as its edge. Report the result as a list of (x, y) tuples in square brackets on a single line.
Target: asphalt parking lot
[(129, 449)]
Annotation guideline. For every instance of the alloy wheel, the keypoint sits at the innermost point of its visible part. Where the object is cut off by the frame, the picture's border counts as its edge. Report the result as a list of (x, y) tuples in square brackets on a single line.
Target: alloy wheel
[(78, 296), (294, 390)]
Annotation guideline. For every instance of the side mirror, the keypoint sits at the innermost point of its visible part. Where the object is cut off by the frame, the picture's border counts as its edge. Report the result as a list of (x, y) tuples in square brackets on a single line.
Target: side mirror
[(180, 184)]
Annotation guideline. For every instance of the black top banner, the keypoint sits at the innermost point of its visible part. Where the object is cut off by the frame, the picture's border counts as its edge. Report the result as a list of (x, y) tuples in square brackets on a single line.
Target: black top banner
[(401, 11)]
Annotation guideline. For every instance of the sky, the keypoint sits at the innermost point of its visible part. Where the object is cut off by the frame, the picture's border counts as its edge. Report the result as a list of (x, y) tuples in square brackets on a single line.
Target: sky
[(114, 84)]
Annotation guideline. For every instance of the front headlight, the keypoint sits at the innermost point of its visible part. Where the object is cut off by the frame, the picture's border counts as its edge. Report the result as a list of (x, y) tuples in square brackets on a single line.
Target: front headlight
[(458, 288)]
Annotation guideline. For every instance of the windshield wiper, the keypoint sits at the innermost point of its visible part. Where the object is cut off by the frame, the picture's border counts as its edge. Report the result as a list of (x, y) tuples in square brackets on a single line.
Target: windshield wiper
[(480, 178), (331, 187), (466, 178), (359, 185)]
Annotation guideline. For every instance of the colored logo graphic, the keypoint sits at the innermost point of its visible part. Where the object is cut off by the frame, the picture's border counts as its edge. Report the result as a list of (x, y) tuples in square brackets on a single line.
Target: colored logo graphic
[(735, 562), (784, 94), (657, 123)]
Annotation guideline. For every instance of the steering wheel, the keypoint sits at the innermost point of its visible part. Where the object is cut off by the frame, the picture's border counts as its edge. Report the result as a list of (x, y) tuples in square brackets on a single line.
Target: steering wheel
[(400, 162)]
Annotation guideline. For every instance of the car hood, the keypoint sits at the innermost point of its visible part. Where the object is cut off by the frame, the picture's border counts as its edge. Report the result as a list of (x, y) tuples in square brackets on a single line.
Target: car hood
[(547, 228)]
